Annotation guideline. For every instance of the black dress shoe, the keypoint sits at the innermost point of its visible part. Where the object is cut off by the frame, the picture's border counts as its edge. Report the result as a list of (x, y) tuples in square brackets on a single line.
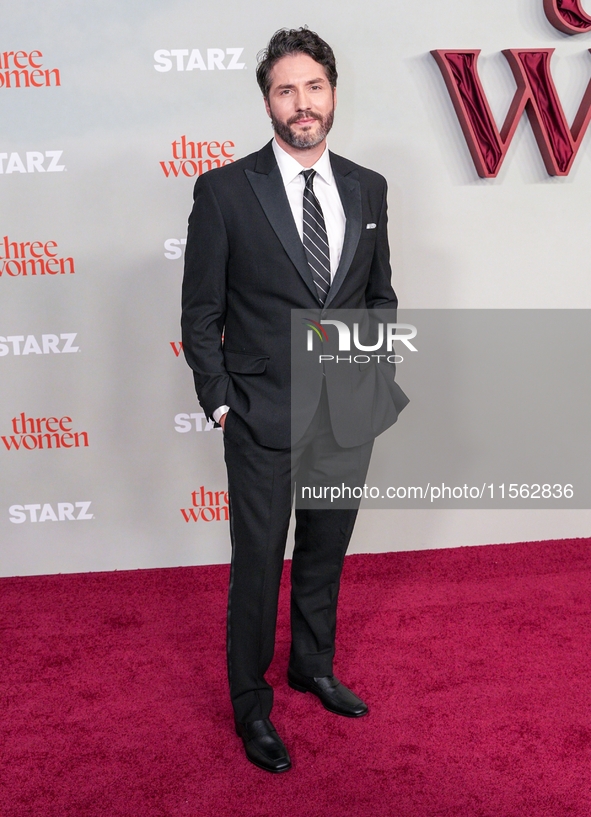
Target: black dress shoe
[(333, 695), (263, 745)]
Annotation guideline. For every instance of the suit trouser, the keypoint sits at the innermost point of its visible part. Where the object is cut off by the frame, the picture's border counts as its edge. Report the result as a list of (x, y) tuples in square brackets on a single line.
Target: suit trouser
[(260, 490)]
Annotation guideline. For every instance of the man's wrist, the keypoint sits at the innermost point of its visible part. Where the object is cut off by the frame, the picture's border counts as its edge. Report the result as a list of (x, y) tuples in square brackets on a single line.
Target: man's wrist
[(219, 413)]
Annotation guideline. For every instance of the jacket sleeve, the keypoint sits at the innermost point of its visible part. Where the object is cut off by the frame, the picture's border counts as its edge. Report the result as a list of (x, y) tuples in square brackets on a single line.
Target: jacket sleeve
[(379, 293), (204, 297)]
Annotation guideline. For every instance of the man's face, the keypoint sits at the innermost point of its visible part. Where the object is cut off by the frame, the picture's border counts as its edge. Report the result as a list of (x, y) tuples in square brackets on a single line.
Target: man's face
[(301, 101)]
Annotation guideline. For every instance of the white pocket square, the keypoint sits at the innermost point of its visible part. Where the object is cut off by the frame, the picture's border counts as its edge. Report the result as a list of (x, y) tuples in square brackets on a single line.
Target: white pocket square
[(370, 226)]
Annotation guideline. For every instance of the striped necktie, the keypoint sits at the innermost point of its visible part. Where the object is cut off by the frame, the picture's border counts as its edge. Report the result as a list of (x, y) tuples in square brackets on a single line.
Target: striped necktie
[(315, 238)]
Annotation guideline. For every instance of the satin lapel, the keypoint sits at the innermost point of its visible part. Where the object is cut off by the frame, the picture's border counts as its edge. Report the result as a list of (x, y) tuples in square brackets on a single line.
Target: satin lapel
[(270, 191), (350, 193)]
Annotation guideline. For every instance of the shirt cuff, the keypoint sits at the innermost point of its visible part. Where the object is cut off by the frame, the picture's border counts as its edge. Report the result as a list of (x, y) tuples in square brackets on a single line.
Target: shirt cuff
[(219, 412)]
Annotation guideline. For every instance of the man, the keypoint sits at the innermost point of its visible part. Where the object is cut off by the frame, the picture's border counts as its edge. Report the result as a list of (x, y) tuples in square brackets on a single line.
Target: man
[(264, 239)]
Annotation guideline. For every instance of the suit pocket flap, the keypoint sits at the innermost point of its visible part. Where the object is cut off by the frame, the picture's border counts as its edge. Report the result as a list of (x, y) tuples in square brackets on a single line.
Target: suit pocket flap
[(245, 364)]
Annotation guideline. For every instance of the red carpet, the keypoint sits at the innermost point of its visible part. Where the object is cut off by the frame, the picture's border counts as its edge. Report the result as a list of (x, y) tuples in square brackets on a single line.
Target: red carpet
[(475, 662)]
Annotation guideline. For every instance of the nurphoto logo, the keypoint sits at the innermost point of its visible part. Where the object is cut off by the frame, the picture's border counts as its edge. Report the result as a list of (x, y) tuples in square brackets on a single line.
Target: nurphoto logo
[(386, 336)]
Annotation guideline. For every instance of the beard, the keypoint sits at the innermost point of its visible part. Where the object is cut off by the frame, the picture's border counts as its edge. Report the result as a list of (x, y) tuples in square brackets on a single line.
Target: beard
[(303, 140)]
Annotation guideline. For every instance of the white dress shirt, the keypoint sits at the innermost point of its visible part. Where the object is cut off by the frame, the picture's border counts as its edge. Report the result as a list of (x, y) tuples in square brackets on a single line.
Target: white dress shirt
[(327, 193)]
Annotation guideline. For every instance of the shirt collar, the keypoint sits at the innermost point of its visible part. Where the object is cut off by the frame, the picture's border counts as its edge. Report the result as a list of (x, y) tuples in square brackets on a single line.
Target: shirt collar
[(290, 168)]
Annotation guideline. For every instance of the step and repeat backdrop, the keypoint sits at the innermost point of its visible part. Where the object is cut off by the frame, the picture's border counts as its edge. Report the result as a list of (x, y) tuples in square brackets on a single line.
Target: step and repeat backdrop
[(110, 111)]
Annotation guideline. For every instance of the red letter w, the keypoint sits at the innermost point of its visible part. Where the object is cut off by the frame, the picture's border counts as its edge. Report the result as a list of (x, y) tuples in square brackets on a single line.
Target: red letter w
[(14, 442), (190, 515), (172, 168), (535, 93)]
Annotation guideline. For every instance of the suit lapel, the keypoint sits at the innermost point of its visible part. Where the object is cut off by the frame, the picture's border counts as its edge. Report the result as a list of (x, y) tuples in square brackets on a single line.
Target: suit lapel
[(350, 193), (268, 187)]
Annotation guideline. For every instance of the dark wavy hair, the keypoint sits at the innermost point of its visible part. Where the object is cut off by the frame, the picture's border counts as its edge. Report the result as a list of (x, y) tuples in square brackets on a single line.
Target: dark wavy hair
[(294, 41)]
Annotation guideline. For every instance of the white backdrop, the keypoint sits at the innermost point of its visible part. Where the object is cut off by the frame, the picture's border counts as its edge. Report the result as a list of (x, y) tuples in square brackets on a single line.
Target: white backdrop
[(87, 177)]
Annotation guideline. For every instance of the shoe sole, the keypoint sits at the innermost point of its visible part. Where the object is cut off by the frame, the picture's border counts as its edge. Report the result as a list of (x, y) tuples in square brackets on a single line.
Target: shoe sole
[(266, 768), (299, 688)]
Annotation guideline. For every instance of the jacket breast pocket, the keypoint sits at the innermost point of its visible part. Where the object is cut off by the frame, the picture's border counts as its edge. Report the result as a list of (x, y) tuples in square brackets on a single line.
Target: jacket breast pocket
[(368, 233), (239, 363)]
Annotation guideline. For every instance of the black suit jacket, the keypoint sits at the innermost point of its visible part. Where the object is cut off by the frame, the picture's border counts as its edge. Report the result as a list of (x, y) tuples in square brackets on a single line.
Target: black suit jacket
[(246, 270)]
